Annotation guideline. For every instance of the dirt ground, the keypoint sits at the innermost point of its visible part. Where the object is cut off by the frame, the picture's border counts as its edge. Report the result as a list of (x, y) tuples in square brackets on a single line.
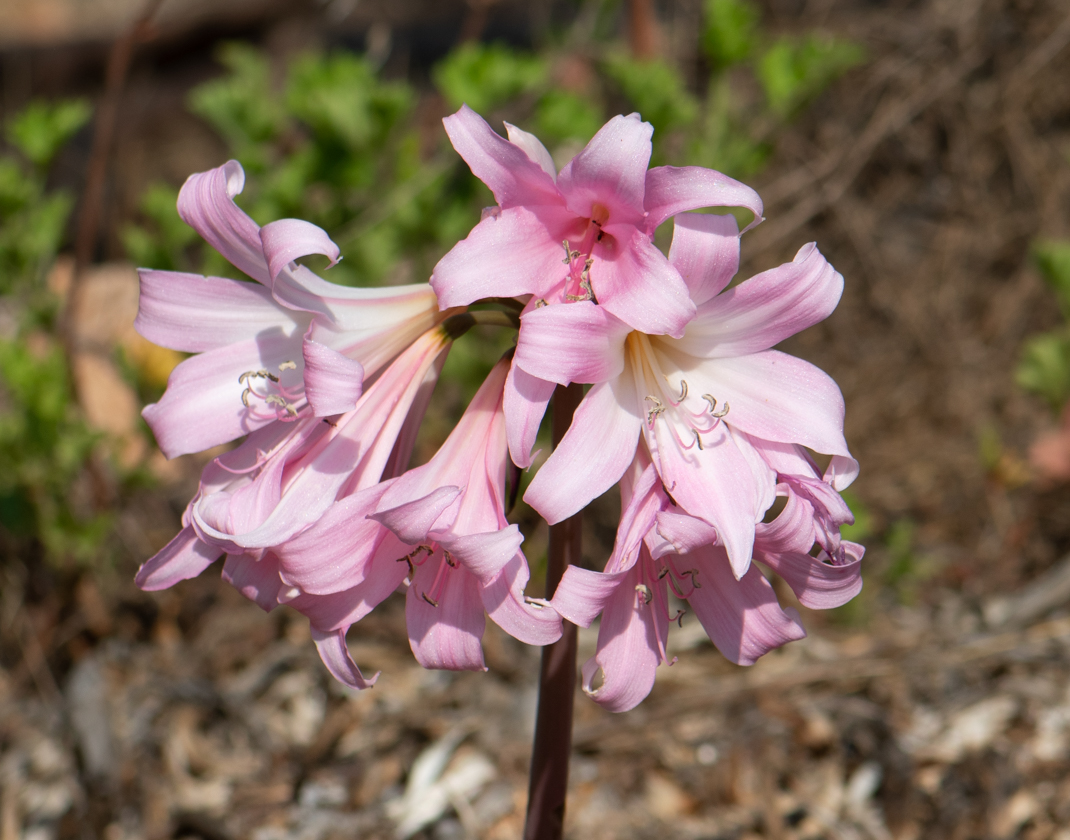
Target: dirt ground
[(937, 707)]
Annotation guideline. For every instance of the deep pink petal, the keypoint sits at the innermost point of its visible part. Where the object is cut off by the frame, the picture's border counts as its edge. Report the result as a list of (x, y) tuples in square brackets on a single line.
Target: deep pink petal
[(629, 648), (533, 148), (286, 240), (602, 438), (255, 578), (202, 406), (777, 397), (516, 252), (512, 175), (448, 635), (742, 617), (763, 311), (705, 250), (524, 403), (575, 342), (333, 382), (611, 172), (183, 558), (672, 189), (582, 594), (206, 204), (192, 313), (817, 585), (335, 655), (633, 280)]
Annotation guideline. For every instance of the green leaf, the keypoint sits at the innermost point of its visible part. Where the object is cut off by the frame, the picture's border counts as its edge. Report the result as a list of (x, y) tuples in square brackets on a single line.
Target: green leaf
[(793, 72), (42, 128), (1053, 259), (656, 89), (485, 76), (1045, 368), (731, 31), (562, 115)]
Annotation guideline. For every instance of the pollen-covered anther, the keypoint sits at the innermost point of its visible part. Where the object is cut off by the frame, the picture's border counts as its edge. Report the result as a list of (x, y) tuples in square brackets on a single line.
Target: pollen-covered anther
[(683, 391), (644, 592), (698, 439), (655, 411), (570, 254), (679, 618), (540, 303), (291, 365), (429, 599), (713, 406)]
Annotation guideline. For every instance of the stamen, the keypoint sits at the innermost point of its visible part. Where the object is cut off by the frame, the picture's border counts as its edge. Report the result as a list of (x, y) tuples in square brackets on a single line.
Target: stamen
[(540, 303), (449, 559), (654, 411), (570, 255), (679, 618), (429, 599), (683, 390), (644, 593), (288, 366), (698, 439)]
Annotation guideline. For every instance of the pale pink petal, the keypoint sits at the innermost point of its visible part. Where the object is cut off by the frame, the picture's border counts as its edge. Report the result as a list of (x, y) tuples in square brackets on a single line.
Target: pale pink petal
[(672, 189), (792, 531), (715, 483), (742, 617), (339, 610), (446, 636), (285, 240), (683, 533), (763, 311), (533, 148), (413, 520), (524, 404), (630, 639), (255, 578), (513, 253), (485, 555), (202, 406), (335, 655), (183, 558), (513, 176), (576, 342), (333, 382), (611, 172), (602, 438), (192, 313), (777, 397), (633, 280), (705, 250), (503, 599), (842, 471), (582, 594), (206, 204), (818, 585)]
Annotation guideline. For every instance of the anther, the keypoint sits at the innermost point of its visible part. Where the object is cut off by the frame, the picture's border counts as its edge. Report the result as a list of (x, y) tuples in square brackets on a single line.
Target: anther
[(656, 410), (662, 573), (694, 578), (245, 396), (679, 618), (570, 255), (683, 390), (449, 559), (429, 599), (644, 593), (540, 303), (288, 366), (698, 439)]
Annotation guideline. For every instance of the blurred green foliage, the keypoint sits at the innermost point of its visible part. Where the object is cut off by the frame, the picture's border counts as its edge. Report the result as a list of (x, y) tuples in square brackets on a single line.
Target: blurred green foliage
[(44, 444), (793, 71), (1044, 367)]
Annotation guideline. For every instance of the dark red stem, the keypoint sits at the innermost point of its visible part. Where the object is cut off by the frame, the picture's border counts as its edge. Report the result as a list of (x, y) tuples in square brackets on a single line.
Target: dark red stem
[(557, 678)]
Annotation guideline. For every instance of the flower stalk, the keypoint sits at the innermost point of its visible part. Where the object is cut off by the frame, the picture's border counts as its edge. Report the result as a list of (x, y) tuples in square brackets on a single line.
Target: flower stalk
[(550, 752)]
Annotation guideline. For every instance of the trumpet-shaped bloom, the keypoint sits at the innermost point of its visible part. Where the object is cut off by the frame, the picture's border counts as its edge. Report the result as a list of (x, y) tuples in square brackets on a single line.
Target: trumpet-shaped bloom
[(268, 350), (585, 233), (709, 406)]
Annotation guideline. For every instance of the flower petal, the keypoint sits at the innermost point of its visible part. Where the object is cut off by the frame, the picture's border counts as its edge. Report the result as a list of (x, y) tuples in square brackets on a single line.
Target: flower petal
[(742, 617), (766, 309), (777, 397), (448, 635), (533, 148), (412, 521), (513, 176), (673, 189), (255, 578), (285, 240), (516, 252), (183, 558), (192, 313), (339, 610), (683, 533), (206, 204), (582, 594), (335, 655), (841, 472), (524, 403), (575, 342), (705, 250), (629, 648), (333, 382), (633, 280), (610, 171), (817, 585), (603, 437)]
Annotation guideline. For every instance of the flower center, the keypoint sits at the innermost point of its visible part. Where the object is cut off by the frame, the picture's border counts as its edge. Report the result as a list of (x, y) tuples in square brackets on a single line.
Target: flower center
[(418, 557), (263, 391)]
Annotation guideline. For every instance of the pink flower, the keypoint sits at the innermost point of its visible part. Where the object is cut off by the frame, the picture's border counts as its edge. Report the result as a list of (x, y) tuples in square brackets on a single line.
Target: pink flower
[(266, 350), (605, 204), (712, 407), (741, 617)]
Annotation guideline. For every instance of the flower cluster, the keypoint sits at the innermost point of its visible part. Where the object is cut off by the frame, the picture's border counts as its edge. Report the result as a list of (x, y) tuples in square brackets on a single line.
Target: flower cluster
[(703, 424)]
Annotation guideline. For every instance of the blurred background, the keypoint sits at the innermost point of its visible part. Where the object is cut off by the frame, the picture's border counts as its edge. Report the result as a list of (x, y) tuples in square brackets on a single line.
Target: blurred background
[(924, 144)]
